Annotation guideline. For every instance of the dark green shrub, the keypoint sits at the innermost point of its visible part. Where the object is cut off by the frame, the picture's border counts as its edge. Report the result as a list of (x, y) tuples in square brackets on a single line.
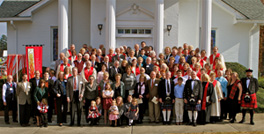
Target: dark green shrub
[(261, 82), (260, 100), (236, 67)]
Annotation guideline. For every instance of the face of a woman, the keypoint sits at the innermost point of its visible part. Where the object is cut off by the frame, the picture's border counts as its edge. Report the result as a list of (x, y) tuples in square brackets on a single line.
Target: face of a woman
[(124, 64), (234, 77), (106, 77), (42, 84), (107, 86), (103, 68), (61, 76), (175, 68), (118, 100), (128, 71), (167, 50), (91, 79), (118, 78), (142, 79), (129, 99)]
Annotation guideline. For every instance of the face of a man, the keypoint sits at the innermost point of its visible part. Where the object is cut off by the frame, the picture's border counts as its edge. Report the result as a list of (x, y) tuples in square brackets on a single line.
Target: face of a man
[(9, 78), (153, 75), (24, 78), (62, 56), (116, 64), (142, 70), (74, 72), (106, 59), (88, 64), (37, 74), (168, 75), (193, 74), (46, 76), (215, 50), (249, 74)]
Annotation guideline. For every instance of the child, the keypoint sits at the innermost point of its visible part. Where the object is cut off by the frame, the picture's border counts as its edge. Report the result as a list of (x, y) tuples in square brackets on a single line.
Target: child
[(121, 109), (132, 113), (108, 93), (93, 113), (113, 115), (99, 107), (43, 109), (178, 93), (127, 105)]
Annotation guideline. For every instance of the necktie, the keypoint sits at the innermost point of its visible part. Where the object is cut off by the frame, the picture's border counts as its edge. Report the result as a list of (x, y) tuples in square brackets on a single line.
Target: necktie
[(11, 85), (168, 86), (118, 57), (152, 84), (75, 84)]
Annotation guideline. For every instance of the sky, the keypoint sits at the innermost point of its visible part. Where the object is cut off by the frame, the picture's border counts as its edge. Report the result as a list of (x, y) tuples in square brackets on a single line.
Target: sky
[(2, 25)]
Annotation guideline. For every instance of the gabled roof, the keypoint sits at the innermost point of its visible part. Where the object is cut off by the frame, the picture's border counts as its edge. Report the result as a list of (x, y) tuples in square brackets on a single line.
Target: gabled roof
[(11, 8), (251, 9)]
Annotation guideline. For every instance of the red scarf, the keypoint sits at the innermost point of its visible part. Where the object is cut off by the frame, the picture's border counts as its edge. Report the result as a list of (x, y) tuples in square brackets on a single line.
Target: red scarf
[(198, 73), (67, 77), (233, 90), (180, 67), (201, 63), (205, 58), (62, 67), (212, 59), (214, 83), (204, 96), (208, 72), (88, 73), (184, 73), (191, 66), (70, 53), (137, 71)]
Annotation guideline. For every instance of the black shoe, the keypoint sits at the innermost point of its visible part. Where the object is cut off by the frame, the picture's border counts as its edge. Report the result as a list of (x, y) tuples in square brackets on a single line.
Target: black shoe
[(164, 122), (252, 123), (15, 121), (78, 124), (194, 124), (27, 125), (23, 125), (71, 124), (157, 122), (45, 125), (242, 121), (232, 121), (190, 123), (168, 122), (7, 122)]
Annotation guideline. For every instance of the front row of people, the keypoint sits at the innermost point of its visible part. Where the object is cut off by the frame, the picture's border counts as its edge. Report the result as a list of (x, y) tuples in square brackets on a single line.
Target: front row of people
[(202, 100)]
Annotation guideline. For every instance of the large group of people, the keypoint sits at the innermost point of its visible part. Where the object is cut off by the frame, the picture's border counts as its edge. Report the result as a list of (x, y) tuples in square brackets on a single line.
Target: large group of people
[(120, 86)]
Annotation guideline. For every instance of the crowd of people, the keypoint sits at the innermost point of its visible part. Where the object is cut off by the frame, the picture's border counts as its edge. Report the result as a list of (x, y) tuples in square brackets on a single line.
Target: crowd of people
[(125, 83)]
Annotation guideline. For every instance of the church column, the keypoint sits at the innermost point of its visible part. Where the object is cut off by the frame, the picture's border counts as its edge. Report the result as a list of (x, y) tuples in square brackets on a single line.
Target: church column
[(206, 26), (110, 41), (159, 14), (63, 25)]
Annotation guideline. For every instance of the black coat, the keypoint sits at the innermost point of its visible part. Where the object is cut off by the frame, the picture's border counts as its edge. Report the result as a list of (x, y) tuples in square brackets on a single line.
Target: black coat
[(112, 73), (50, 88), (136, 93), (58, 88), (148, 68), (162, 90), (197, 91), (253, 85)]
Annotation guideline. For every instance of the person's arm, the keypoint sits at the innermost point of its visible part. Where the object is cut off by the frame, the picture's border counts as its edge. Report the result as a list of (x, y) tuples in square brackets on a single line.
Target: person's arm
[(137, 111), (200, 92), (3, 94), (94, 73), (35, 95), (256, 85), (68, 91), (83, 76), (240, 91), (225, 86), (55, 87)]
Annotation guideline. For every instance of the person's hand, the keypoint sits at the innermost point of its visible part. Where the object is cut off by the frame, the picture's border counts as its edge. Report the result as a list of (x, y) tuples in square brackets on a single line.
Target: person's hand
[(68, 100), (147, 96), (157, 99), (160, 100), (83, 101), (135, 114), (4, 103), (185, 101), (199, 102), (173, 101), (38, 102), (140, 96), (81, 95), (219, 100), (238, 98), (58, 95)]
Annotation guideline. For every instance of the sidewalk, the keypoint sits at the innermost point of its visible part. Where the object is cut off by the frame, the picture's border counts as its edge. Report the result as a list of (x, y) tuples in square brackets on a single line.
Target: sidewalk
[(145, 128)]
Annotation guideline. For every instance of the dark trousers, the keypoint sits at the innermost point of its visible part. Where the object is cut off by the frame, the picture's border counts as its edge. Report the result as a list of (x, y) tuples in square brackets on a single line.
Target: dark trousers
[(24, 113), (87, 105), (75, 105), (11, 104), (62, 107), (142, 109), (51, 107), (44, 119), (223, 109)]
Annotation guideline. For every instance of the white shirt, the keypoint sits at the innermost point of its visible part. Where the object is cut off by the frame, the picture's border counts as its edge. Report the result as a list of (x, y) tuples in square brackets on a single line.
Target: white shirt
[(248, 82), (167, 88), (142, 88), (192, 84), (4, 91)]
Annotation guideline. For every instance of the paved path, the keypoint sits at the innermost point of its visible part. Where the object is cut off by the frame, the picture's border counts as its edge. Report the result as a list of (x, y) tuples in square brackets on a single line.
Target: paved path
[(145, 128)]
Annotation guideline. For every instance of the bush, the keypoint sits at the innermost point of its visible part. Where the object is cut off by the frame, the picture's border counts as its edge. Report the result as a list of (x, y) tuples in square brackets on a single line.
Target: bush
[(260, 100), (261, 82), (236, 67)]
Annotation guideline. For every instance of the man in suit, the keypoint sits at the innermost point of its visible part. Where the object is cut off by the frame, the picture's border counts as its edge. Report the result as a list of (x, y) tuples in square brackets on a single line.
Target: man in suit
[(59, 61), (250, 88), (94, 63), (35, 83), (9, 99), (148, 66), (154, 109), (192, 95), (51, 96), (107, 63), (75, 91), (166, 92), (114, 70), (24, 94), (137, 51), (118, 57)]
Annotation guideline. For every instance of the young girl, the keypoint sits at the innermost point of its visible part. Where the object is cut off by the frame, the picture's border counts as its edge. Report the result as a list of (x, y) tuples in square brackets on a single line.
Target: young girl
[(113, 113), (127, 105), (108, 93), (132, 113), (43, 109), (93, 113), (99, 107)]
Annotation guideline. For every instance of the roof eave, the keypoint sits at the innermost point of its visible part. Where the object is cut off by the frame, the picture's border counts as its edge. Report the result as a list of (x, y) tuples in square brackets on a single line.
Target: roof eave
[(249, 21), (15, 19)]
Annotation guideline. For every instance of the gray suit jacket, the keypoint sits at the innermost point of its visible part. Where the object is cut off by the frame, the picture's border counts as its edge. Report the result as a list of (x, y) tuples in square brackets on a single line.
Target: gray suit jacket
[(23, 97), (153, 91), (69, 87)]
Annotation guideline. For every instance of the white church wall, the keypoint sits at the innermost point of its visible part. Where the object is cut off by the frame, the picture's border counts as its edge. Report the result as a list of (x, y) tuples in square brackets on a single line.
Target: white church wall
[(97, 14), (80, 23), (255, 50), (36, 32)]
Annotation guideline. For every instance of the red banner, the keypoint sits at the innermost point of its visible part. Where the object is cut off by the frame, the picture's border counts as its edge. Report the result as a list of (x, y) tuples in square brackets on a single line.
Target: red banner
[(34, 60)]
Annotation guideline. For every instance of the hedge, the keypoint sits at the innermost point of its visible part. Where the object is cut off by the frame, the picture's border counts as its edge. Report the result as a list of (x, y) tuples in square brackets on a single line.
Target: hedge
[(236, 67)]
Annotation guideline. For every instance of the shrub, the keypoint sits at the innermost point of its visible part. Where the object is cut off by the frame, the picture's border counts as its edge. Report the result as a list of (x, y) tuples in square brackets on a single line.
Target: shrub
[(261, 82), (236, 67), (260, 100)]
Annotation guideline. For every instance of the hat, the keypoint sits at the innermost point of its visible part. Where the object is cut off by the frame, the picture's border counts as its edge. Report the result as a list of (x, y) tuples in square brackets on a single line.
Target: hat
[(249, 70)]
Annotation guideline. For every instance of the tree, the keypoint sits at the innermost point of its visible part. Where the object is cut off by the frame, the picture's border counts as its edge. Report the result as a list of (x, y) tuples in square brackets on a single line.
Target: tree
[(3, 44)]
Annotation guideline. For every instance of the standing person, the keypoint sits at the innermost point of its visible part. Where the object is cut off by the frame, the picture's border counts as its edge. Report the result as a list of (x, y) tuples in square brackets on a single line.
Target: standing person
[(90, 94), (192, 95), (140, 92), (142, 72), (216, 107), (73, 57), (121, 110), (211, 60), (79, 63), (60, 91), (178, 93), (114, 70), (113, 113), (208, 97), (154, 110), (167, 97), (118, 87), (35, 83), (132, 113), (93, 113), (49, 85), (234, 89), (118, 56), (148, 66), (59, 61), (62, 66), (130, 81), (100, 75), (9, 99), (40, 93), (249, 99), (75, 91), (24, 93), (223, 102), (103, 83), (87, 71), (107, 95)]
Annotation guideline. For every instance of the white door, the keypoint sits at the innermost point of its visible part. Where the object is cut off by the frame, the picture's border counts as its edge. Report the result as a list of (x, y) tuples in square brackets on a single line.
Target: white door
[(131, 41)]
